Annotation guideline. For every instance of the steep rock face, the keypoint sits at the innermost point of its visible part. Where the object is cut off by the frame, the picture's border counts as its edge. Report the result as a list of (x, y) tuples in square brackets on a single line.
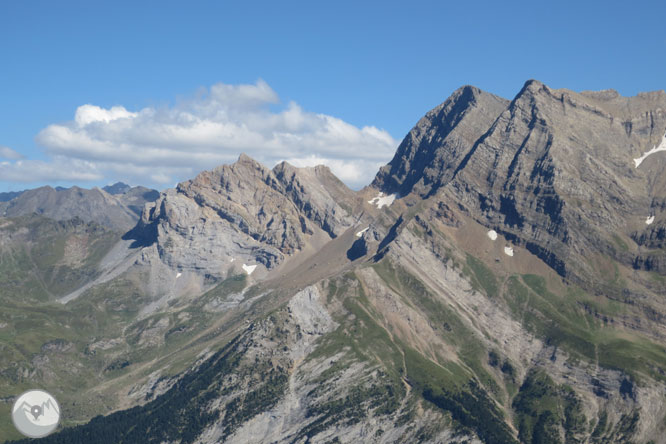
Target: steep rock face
[(554, 170), (431, 153), (119, 212), (245, 211), (318, 194)]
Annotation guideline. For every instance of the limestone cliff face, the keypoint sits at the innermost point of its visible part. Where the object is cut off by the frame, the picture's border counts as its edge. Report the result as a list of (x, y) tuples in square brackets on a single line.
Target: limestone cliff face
[(431, 153), (245, 211), (553, 169)]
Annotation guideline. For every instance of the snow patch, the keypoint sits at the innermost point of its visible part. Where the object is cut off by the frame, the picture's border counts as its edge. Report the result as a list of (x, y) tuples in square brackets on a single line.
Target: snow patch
[(508, 251), (656, 149), (492, 234), (232, 259), (382, 200), (179, 275), (360, 233), (249, 268), (649, 220)]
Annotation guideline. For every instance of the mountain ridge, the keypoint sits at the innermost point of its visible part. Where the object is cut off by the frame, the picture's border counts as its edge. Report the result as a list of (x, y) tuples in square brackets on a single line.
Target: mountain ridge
[(118, 211), (483, 288)]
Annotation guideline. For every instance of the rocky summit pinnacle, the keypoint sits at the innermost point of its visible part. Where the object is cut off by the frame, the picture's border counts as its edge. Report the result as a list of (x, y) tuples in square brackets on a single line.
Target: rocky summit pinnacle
[(433, 150), (502, 280)]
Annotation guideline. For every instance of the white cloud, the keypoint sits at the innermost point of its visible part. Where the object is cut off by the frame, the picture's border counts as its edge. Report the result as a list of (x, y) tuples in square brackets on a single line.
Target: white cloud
[(353, 171), (88, 114), (8, 153), (213, 127), (58, 169)]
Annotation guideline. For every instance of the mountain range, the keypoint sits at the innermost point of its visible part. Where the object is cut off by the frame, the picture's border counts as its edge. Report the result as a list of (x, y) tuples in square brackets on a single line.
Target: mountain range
[(116, 206), (502, 280)]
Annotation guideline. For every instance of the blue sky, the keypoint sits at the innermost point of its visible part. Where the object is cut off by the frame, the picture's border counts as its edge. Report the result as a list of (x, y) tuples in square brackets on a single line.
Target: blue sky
[(337, 82)]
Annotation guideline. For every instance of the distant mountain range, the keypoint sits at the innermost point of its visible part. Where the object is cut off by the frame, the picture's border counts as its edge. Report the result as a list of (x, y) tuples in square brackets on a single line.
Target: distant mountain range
[(117, 206), (117, 188), (502, 280), (6, 197)]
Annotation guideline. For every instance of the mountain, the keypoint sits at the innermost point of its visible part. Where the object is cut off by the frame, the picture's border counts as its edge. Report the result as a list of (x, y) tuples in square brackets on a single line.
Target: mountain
[(42, 258), (431, 153), (117, 188), (119, 212), (246, 211), (6, 197), (500, 281), (520, 168)]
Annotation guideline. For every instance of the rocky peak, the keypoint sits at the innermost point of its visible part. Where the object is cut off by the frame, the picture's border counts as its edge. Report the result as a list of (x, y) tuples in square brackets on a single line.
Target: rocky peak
[(553, 169), (245, 211), (433, 150), (117, 188)]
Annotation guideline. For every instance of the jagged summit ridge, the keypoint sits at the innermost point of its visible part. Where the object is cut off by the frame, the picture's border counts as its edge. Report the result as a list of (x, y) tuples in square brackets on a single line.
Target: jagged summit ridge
[(245, 211), (552, 169), (431, 152)]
